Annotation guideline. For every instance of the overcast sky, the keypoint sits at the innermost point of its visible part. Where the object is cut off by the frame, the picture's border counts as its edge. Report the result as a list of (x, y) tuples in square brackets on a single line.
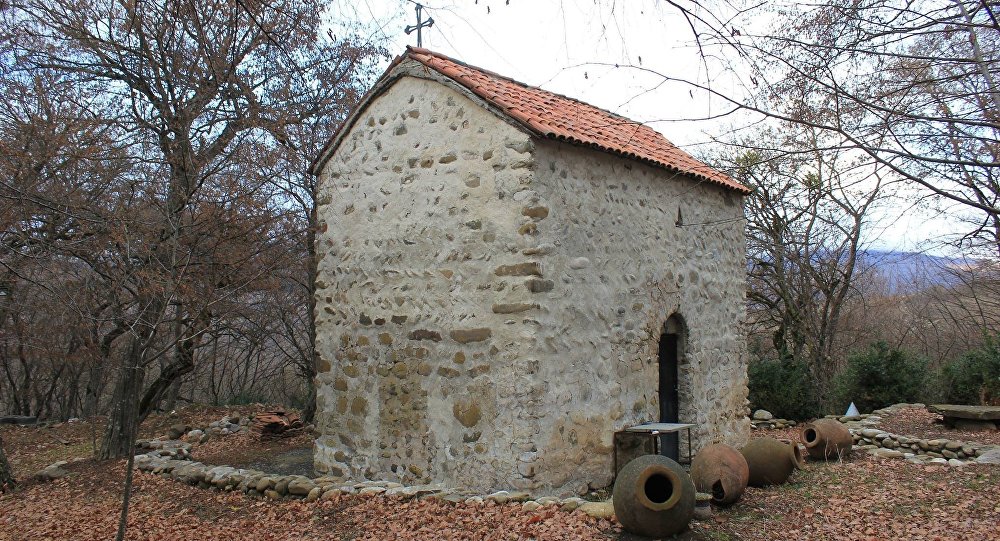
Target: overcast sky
[(572, 47)]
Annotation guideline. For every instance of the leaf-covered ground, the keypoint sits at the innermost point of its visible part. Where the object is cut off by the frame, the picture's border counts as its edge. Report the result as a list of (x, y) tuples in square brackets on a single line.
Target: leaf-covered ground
[(32, 448), (859, 499), (870, 498), (245, 450), (85, 506)]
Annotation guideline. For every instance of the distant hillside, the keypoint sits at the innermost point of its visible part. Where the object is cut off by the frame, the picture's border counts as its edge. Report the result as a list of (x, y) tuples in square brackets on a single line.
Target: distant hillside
[(906, 269)]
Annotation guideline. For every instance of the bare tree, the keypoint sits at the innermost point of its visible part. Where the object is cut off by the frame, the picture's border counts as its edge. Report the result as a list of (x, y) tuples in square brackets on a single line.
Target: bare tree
[(210, 89), (913, 86), (807, 220)]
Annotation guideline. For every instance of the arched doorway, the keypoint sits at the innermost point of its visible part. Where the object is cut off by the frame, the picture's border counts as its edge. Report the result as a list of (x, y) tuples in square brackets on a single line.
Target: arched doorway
[(671, 349)]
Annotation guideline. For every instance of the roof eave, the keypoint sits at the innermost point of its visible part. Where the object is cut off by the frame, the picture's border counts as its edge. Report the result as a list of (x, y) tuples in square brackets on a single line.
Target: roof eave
[(389, 77), (381, 85)]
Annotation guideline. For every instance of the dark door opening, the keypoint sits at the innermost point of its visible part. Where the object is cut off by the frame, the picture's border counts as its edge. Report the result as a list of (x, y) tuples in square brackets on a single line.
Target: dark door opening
[(669, 396)]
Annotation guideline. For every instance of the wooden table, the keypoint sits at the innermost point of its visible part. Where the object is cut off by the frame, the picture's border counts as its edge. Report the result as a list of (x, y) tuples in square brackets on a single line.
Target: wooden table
[(654, 431)]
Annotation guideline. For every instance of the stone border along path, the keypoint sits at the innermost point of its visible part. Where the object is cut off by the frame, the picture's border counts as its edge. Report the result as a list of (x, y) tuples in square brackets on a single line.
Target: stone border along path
[(260, 484), (171, 458), (915, 450), (176, 445)]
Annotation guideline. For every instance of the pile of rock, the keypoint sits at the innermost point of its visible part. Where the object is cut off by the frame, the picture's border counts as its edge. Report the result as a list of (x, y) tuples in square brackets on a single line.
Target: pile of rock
[(234, 424), (917, 450), (859, 422), (763, 419), (174, 449), (229, 425), (868, 437), (55, 470)]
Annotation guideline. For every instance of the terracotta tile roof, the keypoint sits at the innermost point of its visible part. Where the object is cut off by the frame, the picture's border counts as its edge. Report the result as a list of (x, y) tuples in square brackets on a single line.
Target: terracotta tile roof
[(553, 116), (557, 117)]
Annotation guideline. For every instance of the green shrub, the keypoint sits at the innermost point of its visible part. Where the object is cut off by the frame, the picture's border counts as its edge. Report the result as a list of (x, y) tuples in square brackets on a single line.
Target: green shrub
[(782, 387), (879, 377), (974, 378)]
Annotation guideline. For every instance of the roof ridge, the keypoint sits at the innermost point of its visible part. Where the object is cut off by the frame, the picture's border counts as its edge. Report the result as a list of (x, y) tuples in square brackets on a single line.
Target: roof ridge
[(422, 50), (546, 115), (555, 116)]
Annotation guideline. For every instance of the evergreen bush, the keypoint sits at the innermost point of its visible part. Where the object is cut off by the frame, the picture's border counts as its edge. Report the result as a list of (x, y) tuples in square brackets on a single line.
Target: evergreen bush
[(881, 376), (974, 378), (783, 387)]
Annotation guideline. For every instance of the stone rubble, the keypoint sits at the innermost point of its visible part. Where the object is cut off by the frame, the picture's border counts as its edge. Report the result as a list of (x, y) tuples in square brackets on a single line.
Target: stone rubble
[(877, 442), (55, 470), (763, 420)]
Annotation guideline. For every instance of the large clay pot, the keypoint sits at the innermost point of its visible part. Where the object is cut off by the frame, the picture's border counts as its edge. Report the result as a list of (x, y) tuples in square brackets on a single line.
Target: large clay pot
[(721, 471), (653, 496), (771, 461), (827, 439)]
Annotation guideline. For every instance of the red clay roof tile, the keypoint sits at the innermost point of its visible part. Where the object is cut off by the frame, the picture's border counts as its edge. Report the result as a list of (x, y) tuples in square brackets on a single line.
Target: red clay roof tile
[(553, 116), (561, 118)]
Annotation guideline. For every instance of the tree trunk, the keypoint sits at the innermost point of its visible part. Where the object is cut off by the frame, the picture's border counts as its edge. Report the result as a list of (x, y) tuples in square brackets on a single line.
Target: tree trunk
[(171, 374), (123, 423), (126, 496), (168, 376), (170, 402), (92, 394), (170, 397), (95, 373), (7, 480), (309, 411)]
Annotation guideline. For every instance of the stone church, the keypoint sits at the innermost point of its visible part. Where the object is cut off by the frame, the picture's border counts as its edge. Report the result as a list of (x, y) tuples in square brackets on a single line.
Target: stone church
[(508, 276)]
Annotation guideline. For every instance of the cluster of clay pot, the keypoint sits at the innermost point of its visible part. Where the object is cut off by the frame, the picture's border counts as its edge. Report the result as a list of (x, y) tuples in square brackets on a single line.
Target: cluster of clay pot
[(724, 472), (655, 497)]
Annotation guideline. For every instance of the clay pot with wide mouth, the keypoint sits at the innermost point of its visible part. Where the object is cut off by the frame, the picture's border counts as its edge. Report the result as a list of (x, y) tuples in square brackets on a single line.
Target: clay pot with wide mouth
[(722, 471), (653, 496), (827, 439), (771, 461)]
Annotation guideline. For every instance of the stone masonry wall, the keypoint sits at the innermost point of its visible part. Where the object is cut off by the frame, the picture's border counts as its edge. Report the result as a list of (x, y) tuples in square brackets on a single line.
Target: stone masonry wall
[(420, 237), (489, 306), (619, 266)]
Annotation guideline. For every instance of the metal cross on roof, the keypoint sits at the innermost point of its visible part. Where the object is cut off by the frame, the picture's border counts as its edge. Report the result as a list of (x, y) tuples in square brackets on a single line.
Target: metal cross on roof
[(419, 26)]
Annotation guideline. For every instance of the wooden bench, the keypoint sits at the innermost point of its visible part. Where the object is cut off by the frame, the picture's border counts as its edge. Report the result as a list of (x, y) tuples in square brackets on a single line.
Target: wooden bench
[(18, 420), (968, 417)]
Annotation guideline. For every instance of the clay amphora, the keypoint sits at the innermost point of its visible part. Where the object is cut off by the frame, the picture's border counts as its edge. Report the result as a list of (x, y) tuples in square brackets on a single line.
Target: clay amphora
[(771, 461), (653, 496), (720, 470), (827, 439)]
